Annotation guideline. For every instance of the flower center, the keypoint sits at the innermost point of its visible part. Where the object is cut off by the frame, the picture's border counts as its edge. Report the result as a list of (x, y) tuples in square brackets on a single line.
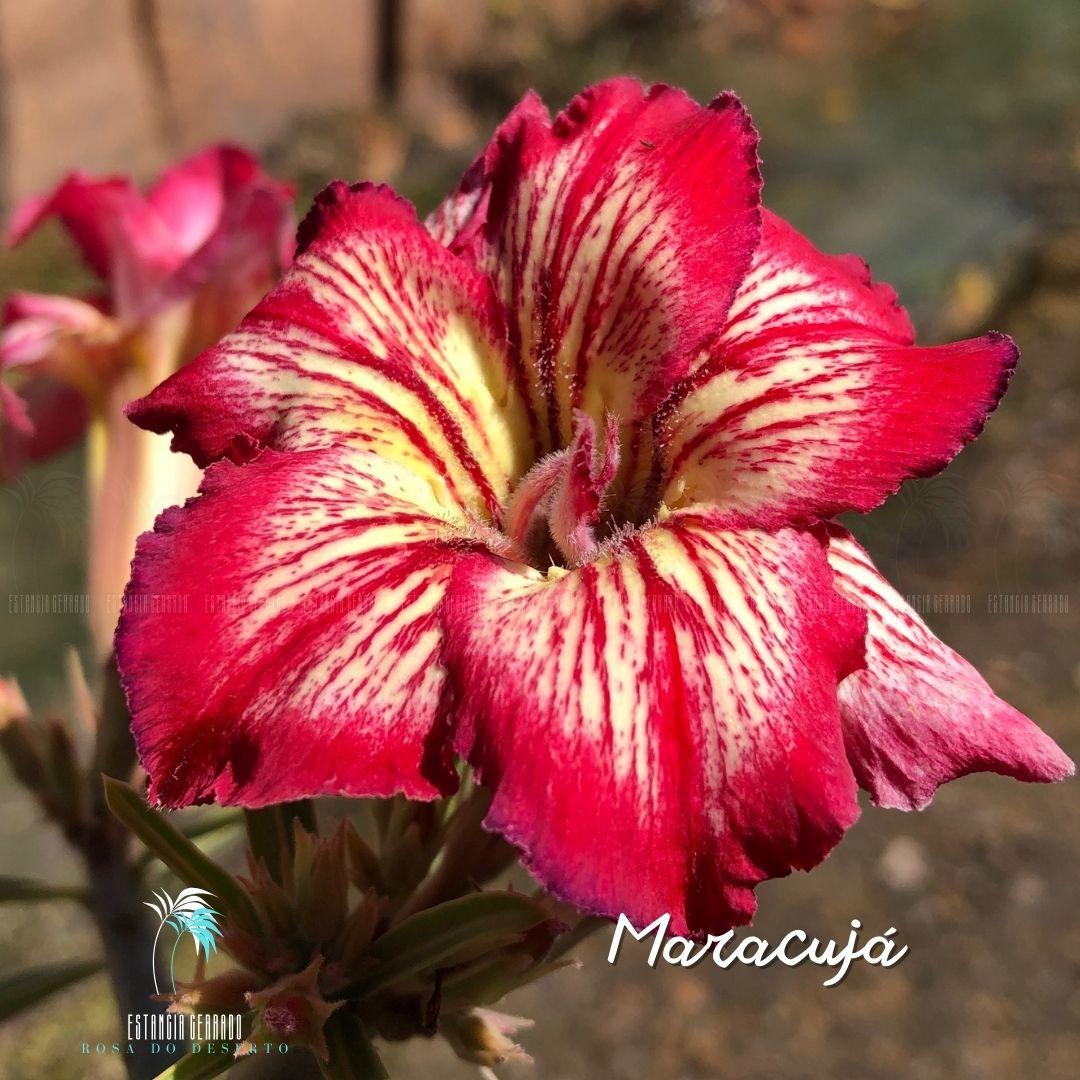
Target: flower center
[(553, 514)]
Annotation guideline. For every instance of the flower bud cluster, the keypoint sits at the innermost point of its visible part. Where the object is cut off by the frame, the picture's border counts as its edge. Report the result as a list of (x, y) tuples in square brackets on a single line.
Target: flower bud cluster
[(339, 938)]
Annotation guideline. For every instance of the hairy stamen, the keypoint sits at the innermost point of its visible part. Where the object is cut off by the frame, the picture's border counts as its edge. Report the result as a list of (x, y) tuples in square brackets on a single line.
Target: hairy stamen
[(565, 491)]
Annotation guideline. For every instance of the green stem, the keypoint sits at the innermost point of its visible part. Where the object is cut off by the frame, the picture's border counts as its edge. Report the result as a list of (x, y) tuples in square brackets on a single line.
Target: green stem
[(125, 935), (153, 956)]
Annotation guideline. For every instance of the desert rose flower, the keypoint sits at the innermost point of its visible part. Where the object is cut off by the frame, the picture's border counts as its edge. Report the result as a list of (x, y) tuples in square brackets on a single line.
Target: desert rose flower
[(179, 267), (548, 484)]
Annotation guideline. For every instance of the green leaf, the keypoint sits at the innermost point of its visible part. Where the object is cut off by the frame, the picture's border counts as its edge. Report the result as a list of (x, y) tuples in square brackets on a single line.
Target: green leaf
[(352, 1054), (447, 934), (214, 834), (17, 888), (198, 1067), (488, 982), (177, 852), (26, 988)]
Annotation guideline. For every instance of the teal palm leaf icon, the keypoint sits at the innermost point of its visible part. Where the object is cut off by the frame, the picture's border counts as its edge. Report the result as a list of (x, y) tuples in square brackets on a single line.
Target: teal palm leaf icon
[(202, 924)]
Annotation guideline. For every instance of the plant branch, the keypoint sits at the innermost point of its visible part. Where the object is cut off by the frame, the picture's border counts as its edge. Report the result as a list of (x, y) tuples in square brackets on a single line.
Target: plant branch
[(127, 942)]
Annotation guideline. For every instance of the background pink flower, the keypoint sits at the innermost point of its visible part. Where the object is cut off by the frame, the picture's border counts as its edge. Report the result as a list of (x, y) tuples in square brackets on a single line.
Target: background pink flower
[(213, 233), (179, 266)]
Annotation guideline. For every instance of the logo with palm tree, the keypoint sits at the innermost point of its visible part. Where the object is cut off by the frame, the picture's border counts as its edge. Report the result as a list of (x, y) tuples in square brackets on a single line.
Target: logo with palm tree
[(188, 914)]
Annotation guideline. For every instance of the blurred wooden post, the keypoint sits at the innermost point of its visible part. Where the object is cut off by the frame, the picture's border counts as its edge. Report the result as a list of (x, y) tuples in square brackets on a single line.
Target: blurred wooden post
[(388, 57), (147, 29)]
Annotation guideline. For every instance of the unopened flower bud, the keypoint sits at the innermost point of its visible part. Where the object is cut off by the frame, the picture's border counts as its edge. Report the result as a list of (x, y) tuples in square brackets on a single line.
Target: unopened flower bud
[(18, 740), (82, 699), (405, 861), (357, 931), (273, 906), (322, 895), (483, 1037), (364, 868), (298, 866), (66, 778)]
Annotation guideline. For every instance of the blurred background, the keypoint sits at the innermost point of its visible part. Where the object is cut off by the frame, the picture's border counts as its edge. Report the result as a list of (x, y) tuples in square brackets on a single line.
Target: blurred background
[(941, 140)]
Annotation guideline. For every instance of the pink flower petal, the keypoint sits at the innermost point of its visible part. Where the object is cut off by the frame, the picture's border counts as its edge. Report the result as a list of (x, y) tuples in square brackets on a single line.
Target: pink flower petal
[(378, 336), (280, 632), (814, 400), (14, 413), (189, 197), (43, 418), (792, 286), (26, 342), (920, 715), (617, 235), (660, 727), (192, 195), (37, 327), (236, 225), (42, 342), (460, 220), (65, 312), (214, 214), (120, 236)]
